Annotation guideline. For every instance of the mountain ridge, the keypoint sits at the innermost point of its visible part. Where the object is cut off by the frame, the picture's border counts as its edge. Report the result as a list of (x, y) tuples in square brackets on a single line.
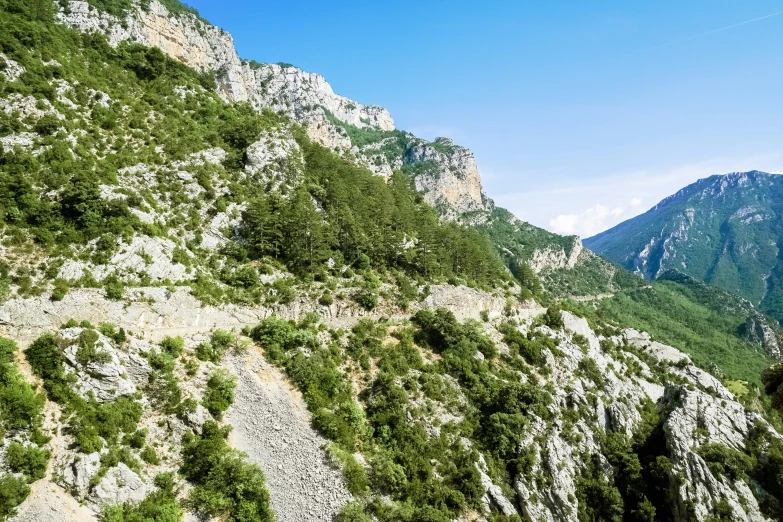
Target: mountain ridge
[(723, 229)]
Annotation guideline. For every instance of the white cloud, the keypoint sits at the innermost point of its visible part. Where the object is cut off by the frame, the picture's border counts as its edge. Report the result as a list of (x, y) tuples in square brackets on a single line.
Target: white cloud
[(635, 202), (590, 222)]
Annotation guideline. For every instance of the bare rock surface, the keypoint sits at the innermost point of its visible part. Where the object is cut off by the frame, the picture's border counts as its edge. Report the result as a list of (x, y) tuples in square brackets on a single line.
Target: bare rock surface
[(120, 484), (105, 380)]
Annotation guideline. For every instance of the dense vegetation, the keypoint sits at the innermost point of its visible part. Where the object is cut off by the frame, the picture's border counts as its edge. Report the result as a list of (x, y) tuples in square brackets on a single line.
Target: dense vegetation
[(343, 212), (457, 384), (226, 486), (131, 105)]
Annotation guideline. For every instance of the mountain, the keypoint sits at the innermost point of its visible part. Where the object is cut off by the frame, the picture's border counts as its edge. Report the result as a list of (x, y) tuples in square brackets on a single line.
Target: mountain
[(724, 230), (227, 293), (444, 173)]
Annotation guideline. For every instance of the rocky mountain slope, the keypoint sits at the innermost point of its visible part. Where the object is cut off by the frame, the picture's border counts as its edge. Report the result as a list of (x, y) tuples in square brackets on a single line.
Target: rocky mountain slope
[(446, 174), (210, 311), (724, 230)]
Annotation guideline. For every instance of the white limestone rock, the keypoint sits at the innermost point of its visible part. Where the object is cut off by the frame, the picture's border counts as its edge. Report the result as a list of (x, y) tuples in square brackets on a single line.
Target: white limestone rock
[(24, 140), (696, 418), (454, 182), (106, 381), (120, 484), (78, 473), (275, 160), (12, 70)]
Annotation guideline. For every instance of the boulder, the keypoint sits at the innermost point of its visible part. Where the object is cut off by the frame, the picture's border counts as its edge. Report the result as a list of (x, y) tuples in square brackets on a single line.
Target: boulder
[(119, 485)]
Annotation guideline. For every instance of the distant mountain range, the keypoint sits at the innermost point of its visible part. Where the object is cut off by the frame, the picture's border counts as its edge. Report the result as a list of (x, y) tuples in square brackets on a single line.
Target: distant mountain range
[(725, 230)]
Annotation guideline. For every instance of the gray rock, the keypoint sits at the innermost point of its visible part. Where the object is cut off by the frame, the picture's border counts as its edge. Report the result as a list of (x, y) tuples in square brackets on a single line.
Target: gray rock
[(119, 485), (78, 474), (196, 419), (106, 381)]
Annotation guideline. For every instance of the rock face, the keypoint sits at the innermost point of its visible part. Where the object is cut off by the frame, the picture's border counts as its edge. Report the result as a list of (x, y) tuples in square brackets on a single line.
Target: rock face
[(446, 174), (450, 178), (759, 329), (79, 472), (120, 484), (205, 47), (691, 415), (554, 257), (694, 419)]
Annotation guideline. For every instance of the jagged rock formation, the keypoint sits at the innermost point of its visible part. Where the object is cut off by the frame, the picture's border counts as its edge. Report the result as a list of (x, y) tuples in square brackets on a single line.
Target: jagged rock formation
[(102, 377), (709, 409), (553, 258)]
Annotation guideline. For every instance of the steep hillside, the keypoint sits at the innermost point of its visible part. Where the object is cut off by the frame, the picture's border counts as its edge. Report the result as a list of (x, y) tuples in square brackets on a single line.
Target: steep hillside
[(210, 311), (724, 230), (444, 173)]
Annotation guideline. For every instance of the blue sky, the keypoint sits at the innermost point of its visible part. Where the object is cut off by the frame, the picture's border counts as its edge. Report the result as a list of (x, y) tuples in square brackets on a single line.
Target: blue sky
[(580, 114)]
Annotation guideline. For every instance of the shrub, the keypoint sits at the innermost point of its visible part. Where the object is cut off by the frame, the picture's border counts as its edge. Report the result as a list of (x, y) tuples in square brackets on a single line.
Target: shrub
[(173, 346), (60, 289), (226, 486), (149, 455), (367, 299), (111, 331), (13, 491), (352, 512), (723, 460), (355, 477), (115, 289), (46, 360), (87, 352), (28, 460), (553, 317), (159, 506), (326, 299), (47, 125), (285, 291), (136, 439), (217, 346), (220, 392)]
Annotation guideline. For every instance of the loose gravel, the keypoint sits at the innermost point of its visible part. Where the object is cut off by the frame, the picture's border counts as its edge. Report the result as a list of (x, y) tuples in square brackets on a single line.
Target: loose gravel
[(272, 425)]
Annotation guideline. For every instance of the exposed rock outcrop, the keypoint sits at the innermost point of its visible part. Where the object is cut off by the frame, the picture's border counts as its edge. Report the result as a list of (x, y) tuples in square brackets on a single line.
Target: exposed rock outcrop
[(447, 175), (694, 419), (103, 377), (553, 257), (692, 415), (120, 484)]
